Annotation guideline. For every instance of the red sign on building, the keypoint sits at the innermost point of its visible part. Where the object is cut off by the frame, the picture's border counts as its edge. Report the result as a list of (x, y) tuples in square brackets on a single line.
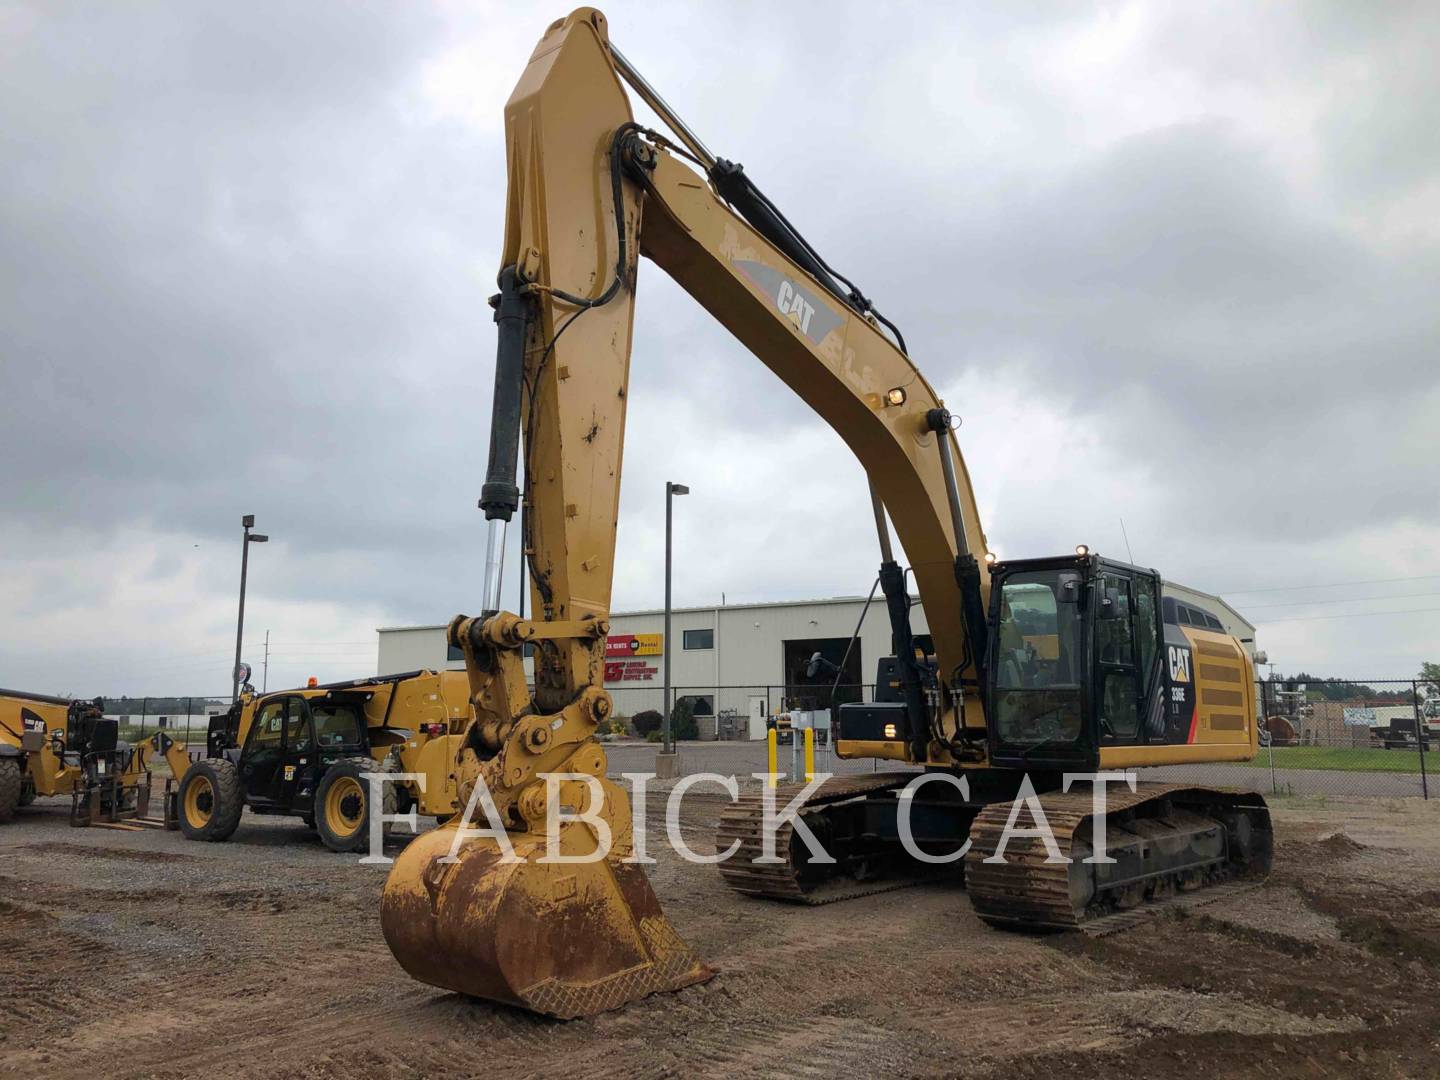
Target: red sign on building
[(620, 646), (629, 671)]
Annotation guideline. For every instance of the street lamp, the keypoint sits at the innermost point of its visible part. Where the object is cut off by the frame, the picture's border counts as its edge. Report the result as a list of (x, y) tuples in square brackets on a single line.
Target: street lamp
[(248, 522), (671, 490)]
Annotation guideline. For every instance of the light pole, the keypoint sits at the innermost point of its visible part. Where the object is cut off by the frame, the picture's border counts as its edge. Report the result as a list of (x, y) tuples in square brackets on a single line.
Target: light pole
[(671, 490), (248, 522)]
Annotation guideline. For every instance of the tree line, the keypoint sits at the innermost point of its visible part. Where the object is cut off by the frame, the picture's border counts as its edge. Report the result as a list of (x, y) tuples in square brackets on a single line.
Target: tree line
[(1324, 688)]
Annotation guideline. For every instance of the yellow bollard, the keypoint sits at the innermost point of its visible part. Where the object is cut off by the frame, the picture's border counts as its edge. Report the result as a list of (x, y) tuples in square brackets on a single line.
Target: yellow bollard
[(809, 754), (772, 756)]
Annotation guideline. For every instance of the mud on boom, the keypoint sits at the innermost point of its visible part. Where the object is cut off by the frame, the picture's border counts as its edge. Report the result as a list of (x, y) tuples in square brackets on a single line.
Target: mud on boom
[(1039, 666)]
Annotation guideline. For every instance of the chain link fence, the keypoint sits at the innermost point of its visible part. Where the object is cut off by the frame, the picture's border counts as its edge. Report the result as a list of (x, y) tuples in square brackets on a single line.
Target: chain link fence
[(1379, 739), (728, 713), (1376, 739)]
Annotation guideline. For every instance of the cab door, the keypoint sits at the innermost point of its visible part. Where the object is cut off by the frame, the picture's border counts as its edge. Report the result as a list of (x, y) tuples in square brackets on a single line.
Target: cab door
[(1118, 691), (1149, 639), (262, 758), (299, 753)]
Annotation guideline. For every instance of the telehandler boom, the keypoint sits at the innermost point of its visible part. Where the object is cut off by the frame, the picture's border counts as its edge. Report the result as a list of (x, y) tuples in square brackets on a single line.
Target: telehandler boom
[(1040, 667)]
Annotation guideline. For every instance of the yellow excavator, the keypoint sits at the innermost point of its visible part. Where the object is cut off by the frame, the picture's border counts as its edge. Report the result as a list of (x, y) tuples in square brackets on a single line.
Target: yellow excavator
[(1041, 667)]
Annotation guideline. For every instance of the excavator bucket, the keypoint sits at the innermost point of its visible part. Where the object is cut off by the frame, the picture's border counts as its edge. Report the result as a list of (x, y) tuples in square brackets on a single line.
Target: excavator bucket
[(564, 939)]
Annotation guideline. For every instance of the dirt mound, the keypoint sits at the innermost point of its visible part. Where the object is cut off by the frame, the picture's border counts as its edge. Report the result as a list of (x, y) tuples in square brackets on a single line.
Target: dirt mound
[(96, 851), (1332, 848), (1384, 938), (19, 914)]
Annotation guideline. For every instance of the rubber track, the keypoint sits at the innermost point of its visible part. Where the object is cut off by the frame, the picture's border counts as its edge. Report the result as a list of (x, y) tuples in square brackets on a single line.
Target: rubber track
[(743, 821), (1026, 892)]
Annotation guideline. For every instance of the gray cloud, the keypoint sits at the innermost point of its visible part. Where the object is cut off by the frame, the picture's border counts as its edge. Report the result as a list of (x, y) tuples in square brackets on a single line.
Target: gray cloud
[(245, 258)]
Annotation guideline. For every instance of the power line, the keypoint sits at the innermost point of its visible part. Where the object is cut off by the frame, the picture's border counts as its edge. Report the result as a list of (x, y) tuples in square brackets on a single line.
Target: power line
[(1331, 585), (1345, 600), (1348, 615)]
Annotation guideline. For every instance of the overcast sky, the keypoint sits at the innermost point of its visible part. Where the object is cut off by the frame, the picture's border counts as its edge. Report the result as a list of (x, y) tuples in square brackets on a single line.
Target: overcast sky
[(1171, 263)]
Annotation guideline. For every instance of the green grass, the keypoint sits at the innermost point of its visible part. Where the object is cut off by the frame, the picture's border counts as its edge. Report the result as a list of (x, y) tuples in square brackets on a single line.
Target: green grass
[(1346, 759)]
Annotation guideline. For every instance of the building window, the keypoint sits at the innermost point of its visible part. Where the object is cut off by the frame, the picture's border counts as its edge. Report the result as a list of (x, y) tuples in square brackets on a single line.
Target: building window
[(700, 704), (699, 639)]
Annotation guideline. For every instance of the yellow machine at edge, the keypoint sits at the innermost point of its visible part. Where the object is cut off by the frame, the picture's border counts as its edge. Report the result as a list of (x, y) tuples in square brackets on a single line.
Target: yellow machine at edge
[(55, 746)]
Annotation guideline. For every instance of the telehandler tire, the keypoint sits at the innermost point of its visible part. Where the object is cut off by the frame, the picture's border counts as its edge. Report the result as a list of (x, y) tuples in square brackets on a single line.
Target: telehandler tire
[(342, 804), (210, 800), (11, 781)]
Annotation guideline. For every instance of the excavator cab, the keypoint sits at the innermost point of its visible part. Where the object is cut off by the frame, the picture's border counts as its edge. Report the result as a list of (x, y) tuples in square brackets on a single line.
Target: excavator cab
[(1073, 665)]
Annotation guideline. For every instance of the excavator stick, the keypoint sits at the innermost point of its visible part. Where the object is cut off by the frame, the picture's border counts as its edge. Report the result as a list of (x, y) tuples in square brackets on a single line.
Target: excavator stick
[(564, 938)]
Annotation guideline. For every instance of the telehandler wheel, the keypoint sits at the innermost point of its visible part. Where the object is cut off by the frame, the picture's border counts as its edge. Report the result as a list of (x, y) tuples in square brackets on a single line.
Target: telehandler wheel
[(342, 804), (11, 782), (210, 799)]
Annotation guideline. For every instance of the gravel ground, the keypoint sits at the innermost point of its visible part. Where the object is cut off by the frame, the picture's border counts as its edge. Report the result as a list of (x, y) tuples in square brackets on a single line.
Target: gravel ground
[(140, 954)]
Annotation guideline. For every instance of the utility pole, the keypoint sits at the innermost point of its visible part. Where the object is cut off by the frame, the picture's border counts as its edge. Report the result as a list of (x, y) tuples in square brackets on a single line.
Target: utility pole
[(668, 743), (265, 670), (247, 522)]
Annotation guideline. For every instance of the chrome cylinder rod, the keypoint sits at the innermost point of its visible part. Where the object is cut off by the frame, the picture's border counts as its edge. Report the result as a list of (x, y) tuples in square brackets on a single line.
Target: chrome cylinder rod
[(494, 563), (651, 97), (882, 530), (939, 422)]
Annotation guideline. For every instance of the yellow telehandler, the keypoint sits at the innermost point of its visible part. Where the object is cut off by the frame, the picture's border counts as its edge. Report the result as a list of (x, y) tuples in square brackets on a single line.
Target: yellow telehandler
[(305, 753), (56, 746)]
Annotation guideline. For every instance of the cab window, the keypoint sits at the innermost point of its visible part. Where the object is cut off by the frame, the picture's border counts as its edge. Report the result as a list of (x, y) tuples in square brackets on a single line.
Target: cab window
[(1146, 624), (297, 734), (269, 725), (1038, 662), (337, 723), (1114, 634), (1119, 710)]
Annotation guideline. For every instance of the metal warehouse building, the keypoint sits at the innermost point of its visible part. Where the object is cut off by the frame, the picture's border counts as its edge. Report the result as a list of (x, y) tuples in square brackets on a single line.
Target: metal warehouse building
[(738, 662)]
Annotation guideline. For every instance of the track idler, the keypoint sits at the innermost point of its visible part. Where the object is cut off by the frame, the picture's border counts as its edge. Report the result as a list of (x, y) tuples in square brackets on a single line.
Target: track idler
[(564, 939)]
